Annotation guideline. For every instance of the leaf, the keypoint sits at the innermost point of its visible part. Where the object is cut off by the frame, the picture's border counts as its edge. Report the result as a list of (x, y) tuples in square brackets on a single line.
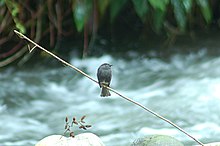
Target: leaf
[(141, 8), (14, 10), (115, 7), (103, 4), (82, 127), (74, 121), (88, 126), (2, 2), (72, 134), (66, 119), (179, 14), (81, 12), (187, 5), (159, 12), (206, 10), (82, 118), (158, 19), (20, 26), (159, 4)]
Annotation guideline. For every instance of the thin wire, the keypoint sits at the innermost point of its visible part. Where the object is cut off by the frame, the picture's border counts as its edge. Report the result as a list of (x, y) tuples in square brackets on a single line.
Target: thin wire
[(124, 97)]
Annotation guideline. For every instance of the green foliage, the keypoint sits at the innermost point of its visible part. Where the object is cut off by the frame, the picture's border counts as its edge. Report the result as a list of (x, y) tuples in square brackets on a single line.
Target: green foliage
[(54, 19), (81, 12), (158, 19), (187, 4), (103, 4), (14, 10), (2, 2), (179, 13), (141, 8), (115, 7), (206, 10), (159, 4), (158, 12)]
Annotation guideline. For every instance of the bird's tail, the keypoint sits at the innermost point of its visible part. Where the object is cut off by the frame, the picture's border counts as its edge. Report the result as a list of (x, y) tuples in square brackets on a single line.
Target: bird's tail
[(105, 92)]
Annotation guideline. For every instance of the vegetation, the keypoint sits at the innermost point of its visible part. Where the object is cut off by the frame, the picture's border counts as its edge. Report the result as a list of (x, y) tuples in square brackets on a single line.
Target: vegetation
[(54, 19)]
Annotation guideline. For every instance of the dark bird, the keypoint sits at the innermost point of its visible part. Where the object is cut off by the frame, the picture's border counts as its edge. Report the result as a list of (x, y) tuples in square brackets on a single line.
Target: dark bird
[(104, 75)]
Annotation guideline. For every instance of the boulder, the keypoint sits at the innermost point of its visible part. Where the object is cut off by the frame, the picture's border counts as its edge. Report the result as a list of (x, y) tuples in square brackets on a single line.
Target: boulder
[(157, 140), (212, 144), (84, 139)]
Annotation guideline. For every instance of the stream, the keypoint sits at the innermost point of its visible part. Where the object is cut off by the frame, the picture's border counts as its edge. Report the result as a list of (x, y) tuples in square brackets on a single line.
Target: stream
[(184, 88)]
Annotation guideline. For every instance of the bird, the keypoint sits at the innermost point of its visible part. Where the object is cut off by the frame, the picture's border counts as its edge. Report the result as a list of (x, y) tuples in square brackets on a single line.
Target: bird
[(104, 75)]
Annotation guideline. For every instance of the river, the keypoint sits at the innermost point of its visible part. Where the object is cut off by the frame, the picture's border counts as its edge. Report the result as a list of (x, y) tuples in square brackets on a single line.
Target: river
[(184, 88)]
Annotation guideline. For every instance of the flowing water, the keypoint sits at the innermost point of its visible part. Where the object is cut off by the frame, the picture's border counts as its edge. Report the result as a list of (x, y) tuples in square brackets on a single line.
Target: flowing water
[(34, 101)]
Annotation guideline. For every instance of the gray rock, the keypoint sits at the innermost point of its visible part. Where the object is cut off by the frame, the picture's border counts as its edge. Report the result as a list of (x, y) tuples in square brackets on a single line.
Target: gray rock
[(212, 144), (84, 139), (157, 140)]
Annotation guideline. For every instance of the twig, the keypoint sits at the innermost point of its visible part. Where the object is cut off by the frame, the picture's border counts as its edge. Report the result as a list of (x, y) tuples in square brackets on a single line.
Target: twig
[(61, 60), (124, 97), (155, 114)]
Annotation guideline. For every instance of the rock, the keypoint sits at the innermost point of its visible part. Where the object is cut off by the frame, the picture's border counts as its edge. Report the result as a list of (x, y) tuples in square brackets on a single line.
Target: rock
[(157, 140), (212, 144), (84, 139)]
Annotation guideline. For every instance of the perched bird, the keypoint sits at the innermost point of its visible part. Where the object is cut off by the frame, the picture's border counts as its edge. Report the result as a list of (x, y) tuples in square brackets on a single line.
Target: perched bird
[(104, 75)]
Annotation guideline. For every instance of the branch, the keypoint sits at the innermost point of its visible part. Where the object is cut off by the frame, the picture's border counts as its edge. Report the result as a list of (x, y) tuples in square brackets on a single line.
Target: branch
[(124, 97), (15, 56)]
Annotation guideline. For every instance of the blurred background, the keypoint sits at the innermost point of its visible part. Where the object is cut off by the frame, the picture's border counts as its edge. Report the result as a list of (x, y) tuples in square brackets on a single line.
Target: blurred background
[(165, 55)]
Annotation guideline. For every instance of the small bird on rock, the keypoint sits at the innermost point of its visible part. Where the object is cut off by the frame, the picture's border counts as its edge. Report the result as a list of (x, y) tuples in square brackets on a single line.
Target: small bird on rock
[(104, 75)]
